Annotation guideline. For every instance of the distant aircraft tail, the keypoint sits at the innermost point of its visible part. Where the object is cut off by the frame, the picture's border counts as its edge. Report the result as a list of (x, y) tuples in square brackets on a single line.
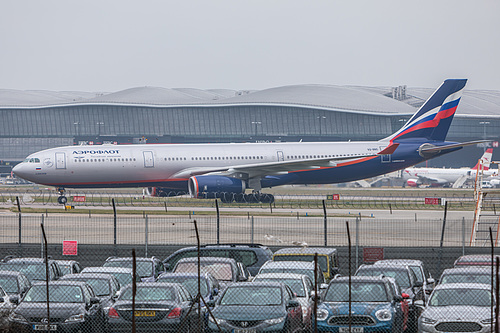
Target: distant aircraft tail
[(433, 119), (485, 160)]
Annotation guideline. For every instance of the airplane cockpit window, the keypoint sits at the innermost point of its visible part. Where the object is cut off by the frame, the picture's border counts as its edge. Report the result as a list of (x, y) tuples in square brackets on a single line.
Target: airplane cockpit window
[(32, 160)]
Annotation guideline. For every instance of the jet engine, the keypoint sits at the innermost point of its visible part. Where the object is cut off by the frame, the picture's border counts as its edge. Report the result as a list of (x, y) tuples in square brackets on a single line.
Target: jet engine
[(215, 186), (412, 182)]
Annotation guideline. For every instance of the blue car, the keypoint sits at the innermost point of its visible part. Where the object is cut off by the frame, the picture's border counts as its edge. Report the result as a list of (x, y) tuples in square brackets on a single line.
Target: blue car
[(374, 306)]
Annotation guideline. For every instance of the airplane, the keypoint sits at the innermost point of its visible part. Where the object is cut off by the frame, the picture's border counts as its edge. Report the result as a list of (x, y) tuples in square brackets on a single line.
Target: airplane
[(442, 177), (226, 170)]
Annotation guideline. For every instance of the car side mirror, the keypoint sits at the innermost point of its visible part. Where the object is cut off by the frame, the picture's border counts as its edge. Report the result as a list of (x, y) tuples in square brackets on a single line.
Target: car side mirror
[(293, 303), (398, 298), (95, 300), (14, 300)]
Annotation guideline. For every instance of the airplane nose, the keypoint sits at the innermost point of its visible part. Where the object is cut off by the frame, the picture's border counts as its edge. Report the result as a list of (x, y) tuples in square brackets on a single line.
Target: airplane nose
[(19, 170)]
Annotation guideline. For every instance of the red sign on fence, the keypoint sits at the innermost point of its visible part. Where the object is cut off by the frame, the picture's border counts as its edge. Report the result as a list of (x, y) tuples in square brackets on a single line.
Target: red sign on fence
[(372, 254), (333, 197), (70, 248), (432, 201), (79, 198)]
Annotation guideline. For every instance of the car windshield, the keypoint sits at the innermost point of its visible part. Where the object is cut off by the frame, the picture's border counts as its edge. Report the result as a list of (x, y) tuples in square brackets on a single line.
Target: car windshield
[(360, 292), (9, 284), (57, 294), (308, 272), (465, 278), (100, 286), (190, 283), (466, 296), (252, 295), (221, 271), (149, 293), (34, 272), (322, 260), (296, 285), (400, 276), (144, 268)]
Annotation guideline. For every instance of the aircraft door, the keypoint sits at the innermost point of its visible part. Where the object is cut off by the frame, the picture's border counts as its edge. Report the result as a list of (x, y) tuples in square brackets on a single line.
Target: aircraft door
[(384, 158), (280, 156), (60, 161), (149, 161)]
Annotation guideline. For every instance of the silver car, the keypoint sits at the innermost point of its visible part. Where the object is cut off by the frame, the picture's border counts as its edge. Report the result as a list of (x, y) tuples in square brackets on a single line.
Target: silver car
[(457, 307)]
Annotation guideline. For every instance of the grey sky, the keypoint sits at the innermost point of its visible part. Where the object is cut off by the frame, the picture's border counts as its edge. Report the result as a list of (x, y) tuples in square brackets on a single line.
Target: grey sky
[(99, 45)]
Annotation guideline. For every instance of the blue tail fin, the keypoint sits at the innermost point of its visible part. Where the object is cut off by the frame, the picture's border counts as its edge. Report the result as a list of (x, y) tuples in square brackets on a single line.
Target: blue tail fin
[(433, 119)]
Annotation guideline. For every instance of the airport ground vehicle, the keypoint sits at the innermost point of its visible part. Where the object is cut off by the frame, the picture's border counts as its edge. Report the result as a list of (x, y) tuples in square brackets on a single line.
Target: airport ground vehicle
[(74, 309), (69, 266), (457, 307), (123, 275), (33, 268), (160, 307), (328, 258), (253, 256), (256, 307), (14, 283), (303, 288), (405, 277), (295, 267), (374, 307), (148, 269), (225, 270)]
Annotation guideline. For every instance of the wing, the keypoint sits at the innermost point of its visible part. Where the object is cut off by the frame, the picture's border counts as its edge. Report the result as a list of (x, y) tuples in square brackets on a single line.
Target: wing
[(269, 168)]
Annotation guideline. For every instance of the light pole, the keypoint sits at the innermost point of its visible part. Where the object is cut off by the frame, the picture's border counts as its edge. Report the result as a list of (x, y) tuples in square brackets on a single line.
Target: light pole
[(320, 118), (484, 123)]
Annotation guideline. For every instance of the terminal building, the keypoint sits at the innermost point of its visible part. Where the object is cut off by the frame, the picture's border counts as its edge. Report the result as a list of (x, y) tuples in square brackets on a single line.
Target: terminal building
[(34, 120)]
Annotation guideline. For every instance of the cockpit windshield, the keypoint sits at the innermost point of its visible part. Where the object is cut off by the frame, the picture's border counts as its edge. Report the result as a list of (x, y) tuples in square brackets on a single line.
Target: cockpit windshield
[(32, 160)]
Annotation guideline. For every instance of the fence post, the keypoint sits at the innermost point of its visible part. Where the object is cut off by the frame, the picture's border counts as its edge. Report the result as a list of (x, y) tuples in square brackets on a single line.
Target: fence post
[(114, 226), (357, 241), (218, 221), (325, 225), (463, 235), (20, 222), (41, 237), (146, 234), (251, 230)]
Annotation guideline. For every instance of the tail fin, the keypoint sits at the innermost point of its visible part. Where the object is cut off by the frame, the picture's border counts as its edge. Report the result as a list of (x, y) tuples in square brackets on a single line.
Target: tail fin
[(485, 160), (433, 119)]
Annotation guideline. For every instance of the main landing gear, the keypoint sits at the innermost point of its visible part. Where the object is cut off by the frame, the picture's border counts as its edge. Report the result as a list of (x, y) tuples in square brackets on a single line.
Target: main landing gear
[(255, 197), (62, 198)]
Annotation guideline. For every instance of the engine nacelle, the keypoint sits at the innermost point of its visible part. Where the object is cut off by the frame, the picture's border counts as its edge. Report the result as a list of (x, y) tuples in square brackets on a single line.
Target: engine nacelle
[(214, 186), (162, 192), (412, 182)]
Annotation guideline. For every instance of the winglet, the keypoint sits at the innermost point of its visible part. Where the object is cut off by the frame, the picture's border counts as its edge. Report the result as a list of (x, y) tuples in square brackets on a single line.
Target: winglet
[(389, 149)]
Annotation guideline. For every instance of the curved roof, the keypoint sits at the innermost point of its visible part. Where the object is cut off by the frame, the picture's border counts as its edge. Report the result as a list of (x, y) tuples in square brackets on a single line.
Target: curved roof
[(377, 100)]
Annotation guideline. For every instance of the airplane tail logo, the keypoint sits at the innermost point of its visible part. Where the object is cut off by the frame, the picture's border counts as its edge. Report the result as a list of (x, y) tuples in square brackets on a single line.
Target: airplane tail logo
[(485, 160), (434, 117)]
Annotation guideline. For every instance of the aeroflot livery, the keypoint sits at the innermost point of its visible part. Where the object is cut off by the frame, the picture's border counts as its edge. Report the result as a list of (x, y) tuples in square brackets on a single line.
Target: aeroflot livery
[(225, 171)]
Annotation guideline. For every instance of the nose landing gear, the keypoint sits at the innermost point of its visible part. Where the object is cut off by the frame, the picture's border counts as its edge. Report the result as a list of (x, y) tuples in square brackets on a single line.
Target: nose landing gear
[(62, 198)]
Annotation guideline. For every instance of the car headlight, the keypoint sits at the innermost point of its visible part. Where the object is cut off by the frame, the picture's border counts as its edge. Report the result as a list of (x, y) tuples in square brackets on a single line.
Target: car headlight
[(76, 318), (274, 321), (17, 318), (427, 320), (383, 315), (322, 314), (218, 321)]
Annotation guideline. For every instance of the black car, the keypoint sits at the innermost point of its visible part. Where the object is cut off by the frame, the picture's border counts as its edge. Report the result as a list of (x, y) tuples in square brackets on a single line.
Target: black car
[(159, 307), (253, 256), (73, 309), (14, 283), (148, 269), (406, 279), (33, 268), (256, 307)]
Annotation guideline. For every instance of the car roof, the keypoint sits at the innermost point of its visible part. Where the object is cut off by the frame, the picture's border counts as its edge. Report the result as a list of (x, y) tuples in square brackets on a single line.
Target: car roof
[(288, 264), (393, 267), (100, 269), (306, 250), (409, 262), (88, 275), (65, 262), (468, 269), (23, 260), (10, 273), (257, 284), (61, 283), (280, 276), (130, 258), (359, 278), (462, 286), (208, 259), (193, 275)]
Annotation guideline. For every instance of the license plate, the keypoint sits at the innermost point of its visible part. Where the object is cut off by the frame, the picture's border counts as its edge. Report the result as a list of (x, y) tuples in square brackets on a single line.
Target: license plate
[(44, 327), (353, 330), (244, 330), (140, 313)]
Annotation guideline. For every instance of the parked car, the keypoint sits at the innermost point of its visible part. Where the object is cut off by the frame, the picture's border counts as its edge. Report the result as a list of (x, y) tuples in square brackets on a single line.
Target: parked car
[(32, 268), (457, 307), (148, 269), (74, 308), (14, 283), (328, 258), (256, 307), (69, 266), (225, 270), (374, 306), (123, 275), (160, 307), (303, 289), (295, 267), (466, 274), (253, 256), (209, 286), (405, 277), (6, 307), (475, 260), (417, 266)]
